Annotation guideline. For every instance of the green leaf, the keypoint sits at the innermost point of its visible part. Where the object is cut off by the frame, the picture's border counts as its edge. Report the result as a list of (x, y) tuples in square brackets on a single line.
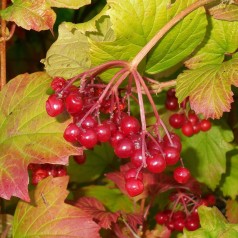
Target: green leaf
[(69, 54), (145, 18), (231, 178), (49, 217), (28, 134), (98, 159), (213, 225), (74, 4), (36, 15), (232, 211), (205, 154), (114, 199), (225, 12), (221, 39), (209, 87)]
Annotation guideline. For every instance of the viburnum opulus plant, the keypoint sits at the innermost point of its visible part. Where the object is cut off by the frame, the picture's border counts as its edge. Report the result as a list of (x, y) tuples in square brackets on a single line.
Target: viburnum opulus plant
[(131, 130)]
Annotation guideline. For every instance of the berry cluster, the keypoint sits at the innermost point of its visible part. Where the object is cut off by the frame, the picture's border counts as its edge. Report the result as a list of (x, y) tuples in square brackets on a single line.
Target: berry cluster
[(184, 213), (189, 123), (41, 171), (98, 116)]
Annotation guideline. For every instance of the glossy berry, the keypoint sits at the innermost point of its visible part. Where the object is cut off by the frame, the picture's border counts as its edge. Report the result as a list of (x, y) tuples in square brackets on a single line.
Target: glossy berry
[(133, 173), (54, 105), (38, 175), (116, 137), (211, 200), (161, 218), (61, 171), (88, 138), (89, 122), (187, 129), (170, 225), (172, 104), (80, 159), (137, 158), (73, 103), (171, 93), (177, 120), (181, 175), (205, 125), (58, 84), (176, 142), (156, 163), (171, 155), (179, 224), (179, 214), (134, 186), (71, 133), (192, 224), (112, 125), (124, 148), (130, 125), (103, 132), (193, 118), (196, 128)]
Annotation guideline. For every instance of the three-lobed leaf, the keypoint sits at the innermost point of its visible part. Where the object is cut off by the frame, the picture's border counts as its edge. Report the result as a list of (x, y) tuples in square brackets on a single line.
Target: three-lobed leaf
[(48, 216), (28, 134)]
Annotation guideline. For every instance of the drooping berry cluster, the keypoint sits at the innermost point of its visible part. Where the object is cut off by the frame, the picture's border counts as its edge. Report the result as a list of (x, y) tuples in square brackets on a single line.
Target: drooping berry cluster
[(98, 116), (41, 171), (189, 123), (184, 212)]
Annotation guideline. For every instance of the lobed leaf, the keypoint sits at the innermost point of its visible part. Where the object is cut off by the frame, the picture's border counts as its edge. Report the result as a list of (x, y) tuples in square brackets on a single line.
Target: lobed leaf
[(213, 225), (28, 134), (209, 87), (30, 14), (205, 154), (48, 216)]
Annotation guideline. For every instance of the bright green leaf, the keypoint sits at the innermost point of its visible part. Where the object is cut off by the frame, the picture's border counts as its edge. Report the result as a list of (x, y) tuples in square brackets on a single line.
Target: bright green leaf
[(209, 87), (30, 14), (74, 4), (205, 154), (28, 134), (213, 225), (232, 210), (221, 39), (98, 159), (231, 178), (48, 216), (146, 18), (112, 198)]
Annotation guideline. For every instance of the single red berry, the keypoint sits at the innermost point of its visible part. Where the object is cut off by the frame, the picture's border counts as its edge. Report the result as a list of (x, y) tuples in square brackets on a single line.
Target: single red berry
[(80, 159), (156, 163), (211, 199), (181, 175), (38, 175), (171, 155), (116, 137), (205, 125), (177, 120), (179, 224), (54, 106), (196, 128), (134, 186), (71, 133), (137, 158), (124, 148), (88, 138), (133, 173), (161, 218), (171, 93), (170, 225), (193, 118), (187, 129), (192, 224), (61, 171), (73, 103), (130, 125), (172, 104), (103, 132), (58, 84), (175, 139), (89, 122)]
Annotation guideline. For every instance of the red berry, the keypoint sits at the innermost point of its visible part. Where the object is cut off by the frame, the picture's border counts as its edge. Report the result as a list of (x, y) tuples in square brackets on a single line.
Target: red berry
[(193, 118), (187, 129), (171, 93), (38, 175), (134, 186), (89, 122), (170, 225), (80, 159), (71, 133), (205, 125), (103, 132), (161, 218), (73, 103), (54, 105), (61, 171), (176, 142), (196, 128), (136, 158), (130, 125), (116, 137), (211, 200), (171, 155), (179, 214), (88, 138), (179, 224), (58, 84), (177, 120), (112, 125), (172, 104), (181, 175), (132, 173), (192, 224), (156, 163), (124, 148)]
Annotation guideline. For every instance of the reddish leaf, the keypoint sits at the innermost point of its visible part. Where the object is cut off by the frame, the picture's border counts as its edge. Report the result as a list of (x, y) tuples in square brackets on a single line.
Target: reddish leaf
[(31, 14), (49, 217), (134, 220), (159, 232), (232, 211), (97, 211), (28, 134)]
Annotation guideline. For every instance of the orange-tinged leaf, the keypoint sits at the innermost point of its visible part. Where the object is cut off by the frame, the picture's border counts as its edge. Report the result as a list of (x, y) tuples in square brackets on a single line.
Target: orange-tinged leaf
[(209, 87), (232, 211), (48, 216), (31, 14), (27, 133), (225, 12)]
